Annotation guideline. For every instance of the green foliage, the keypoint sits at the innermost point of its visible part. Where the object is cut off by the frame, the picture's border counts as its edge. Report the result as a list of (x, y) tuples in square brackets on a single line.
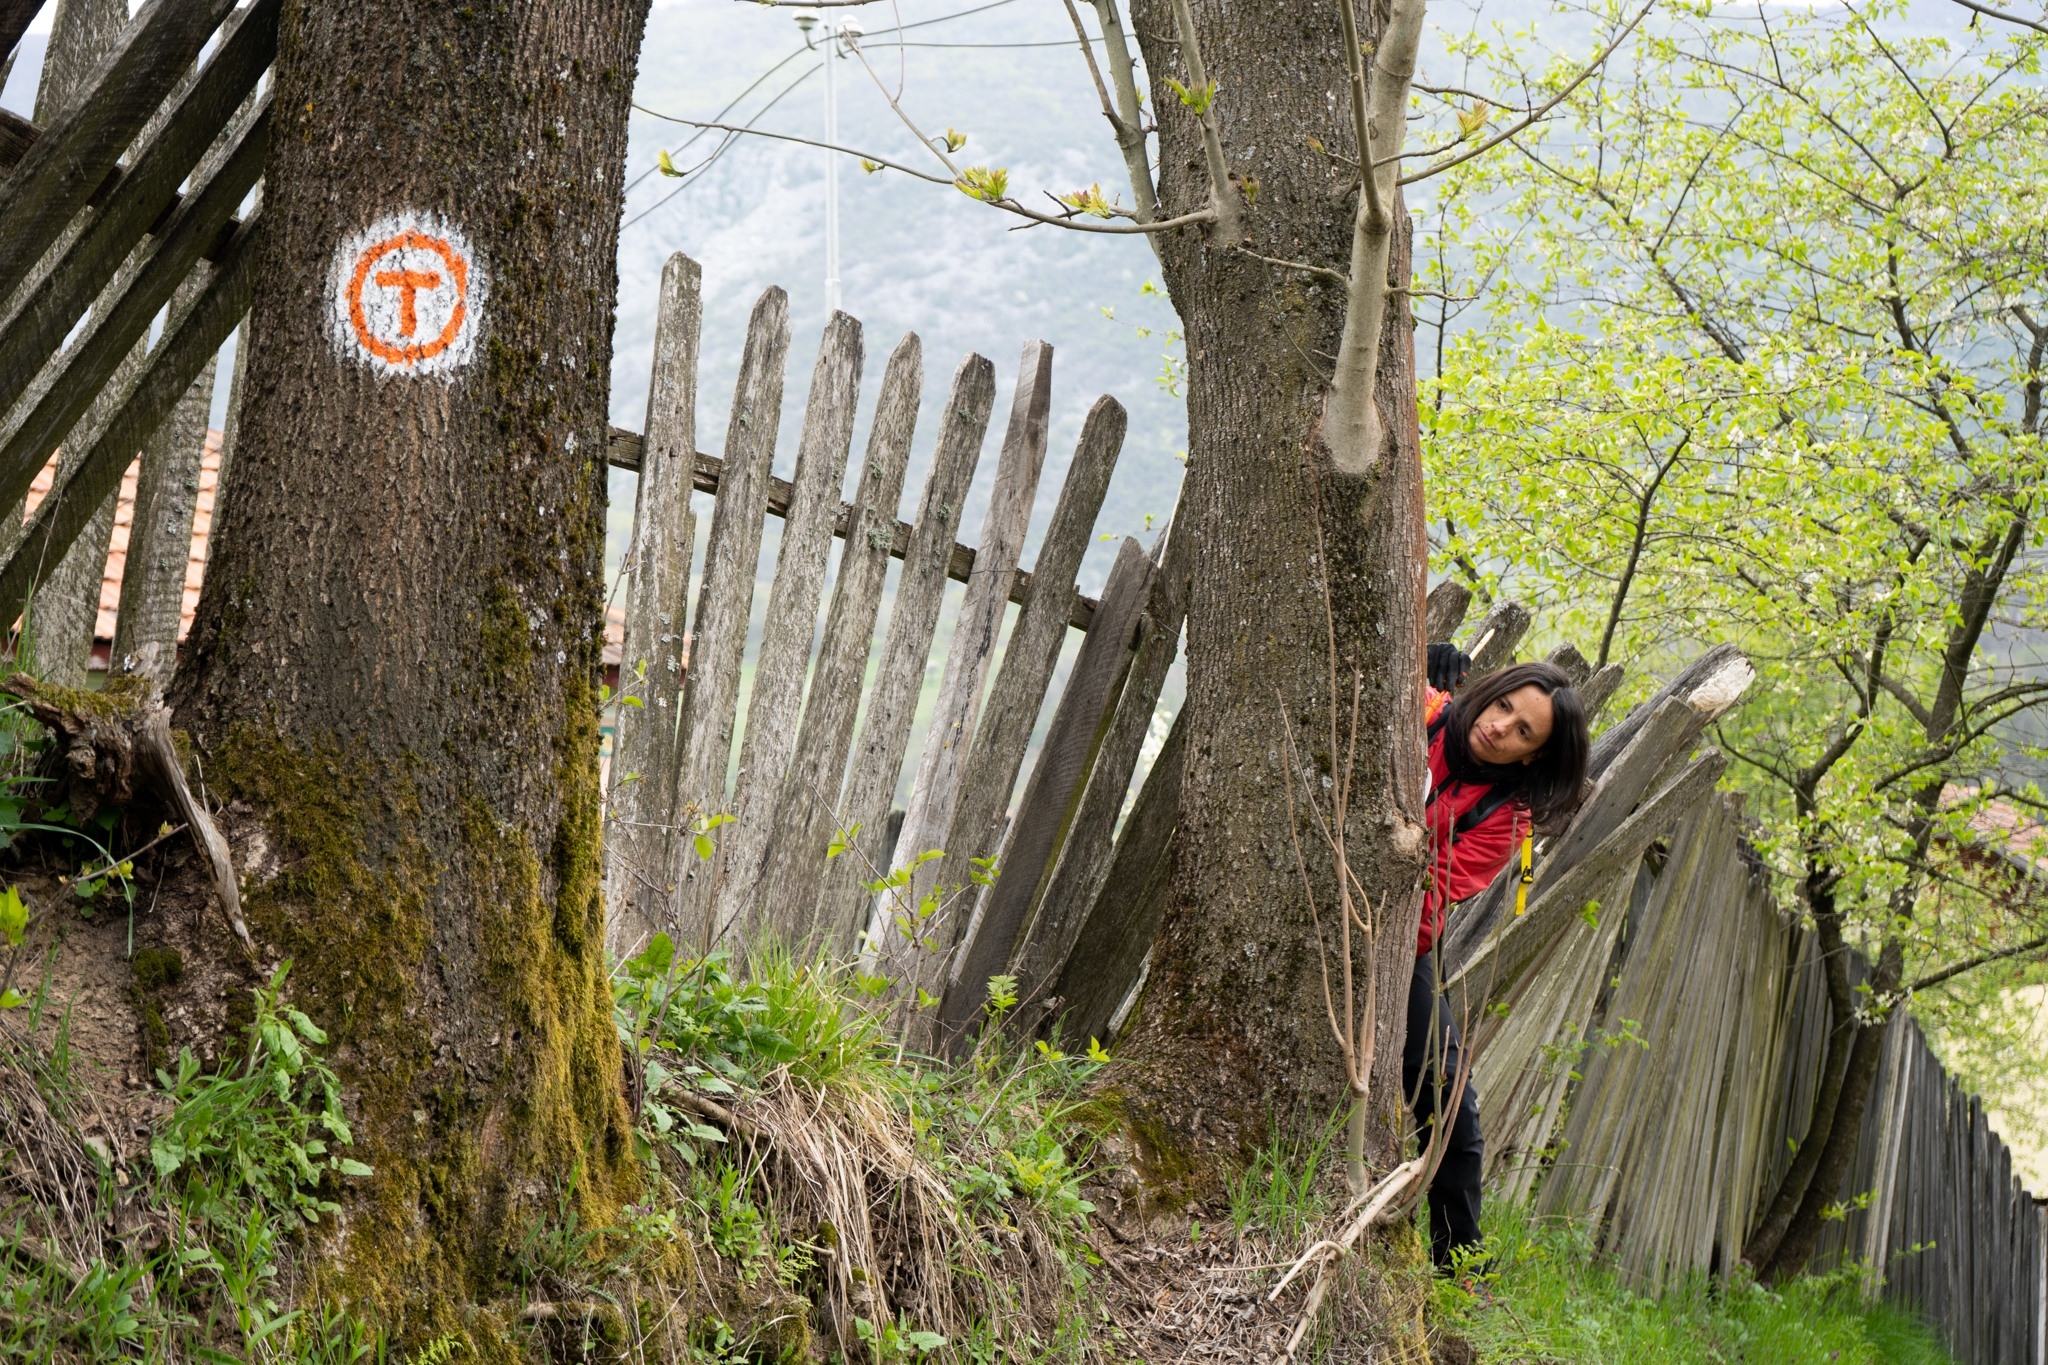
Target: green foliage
[(266, 1134), (981, 182), (1546, 1295), (1280, 1192), (897, 1341), (1765, 318), (248, 1156)]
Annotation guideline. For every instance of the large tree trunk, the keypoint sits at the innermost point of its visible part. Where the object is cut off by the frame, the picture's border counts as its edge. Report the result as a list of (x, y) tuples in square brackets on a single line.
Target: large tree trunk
[(393, 679), (1232, 1030)]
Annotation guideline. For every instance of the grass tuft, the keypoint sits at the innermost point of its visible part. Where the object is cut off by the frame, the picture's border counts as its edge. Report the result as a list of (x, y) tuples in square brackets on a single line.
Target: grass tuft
[(1547, 1295)]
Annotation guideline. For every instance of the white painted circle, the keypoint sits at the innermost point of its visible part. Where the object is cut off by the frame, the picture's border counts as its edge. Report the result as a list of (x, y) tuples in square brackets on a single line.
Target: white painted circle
[(406, 295)]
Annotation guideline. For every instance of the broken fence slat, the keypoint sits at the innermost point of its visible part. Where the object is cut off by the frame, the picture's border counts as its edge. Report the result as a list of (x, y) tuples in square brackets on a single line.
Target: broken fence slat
[(1050, 798), (1444, 610), (1017, 695), (640, 848), (841, 908), (59, 172), (725, 601), (928, 815), (809, 801), (792, 621)]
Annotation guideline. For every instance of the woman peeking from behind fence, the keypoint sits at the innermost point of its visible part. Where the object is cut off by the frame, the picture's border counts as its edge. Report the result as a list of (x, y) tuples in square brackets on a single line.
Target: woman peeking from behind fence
[(1505, 753)]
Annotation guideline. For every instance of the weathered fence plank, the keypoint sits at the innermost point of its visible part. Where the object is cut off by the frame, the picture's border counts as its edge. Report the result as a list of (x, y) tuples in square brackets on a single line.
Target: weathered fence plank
[(177, 360), (725, 600), (1444, 610), (1118, 929), (79, 147), (1049, 800), (1003, 732), (640, 848), (792, 621), (93, 362), (810, 789), (143, 198), (1083, 860), (928, 816), (877, 760)]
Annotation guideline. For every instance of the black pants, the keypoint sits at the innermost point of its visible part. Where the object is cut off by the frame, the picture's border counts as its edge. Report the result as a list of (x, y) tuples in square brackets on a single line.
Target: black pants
[(1429, 1067)]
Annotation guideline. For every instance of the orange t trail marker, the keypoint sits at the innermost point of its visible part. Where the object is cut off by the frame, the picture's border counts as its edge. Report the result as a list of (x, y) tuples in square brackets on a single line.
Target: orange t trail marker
[(406, 297)]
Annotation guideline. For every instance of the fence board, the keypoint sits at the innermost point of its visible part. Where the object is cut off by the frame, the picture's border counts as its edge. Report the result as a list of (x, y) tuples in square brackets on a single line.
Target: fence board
[(1017, 695), (928, 816), (1050, 798), (885, 733), (145, 194), (1083, 860), (725, 600), (809, 801), (92, 363), (187, 344), (640, 849), (1117, 932), (59, 173), (792, 622)]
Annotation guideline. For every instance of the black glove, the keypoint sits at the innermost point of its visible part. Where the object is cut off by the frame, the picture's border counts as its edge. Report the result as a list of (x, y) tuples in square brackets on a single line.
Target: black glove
[(1447, 667)]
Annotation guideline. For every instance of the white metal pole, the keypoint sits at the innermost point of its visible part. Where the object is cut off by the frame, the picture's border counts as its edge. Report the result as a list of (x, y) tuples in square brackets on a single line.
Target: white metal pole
[(832, 40)]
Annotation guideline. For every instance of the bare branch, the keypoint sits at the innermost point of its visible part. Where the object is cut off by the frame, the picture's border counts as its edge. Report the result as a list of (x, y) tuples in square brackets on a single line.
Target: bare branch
[(1600, 60), (1222, 195), (1006, 204), (1971, 964), (1350, 429), (2035, 24)]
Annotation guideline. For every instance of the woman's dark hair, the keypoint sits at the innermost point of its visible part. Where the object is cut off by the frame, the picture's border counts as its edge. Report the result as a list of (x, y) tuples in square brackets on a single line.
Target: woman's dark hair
[(1550, 781)]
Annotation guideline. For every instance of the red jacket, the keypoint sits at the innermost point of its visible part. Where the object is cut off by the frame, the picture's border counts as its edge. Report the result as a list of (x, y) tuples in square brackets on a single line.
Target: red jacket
[(1462, 862)]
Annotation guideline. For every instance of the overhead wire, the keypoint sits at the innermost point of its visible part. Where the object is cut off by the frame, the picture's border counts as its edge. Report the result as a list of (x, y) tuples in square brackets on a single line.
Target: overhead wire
[(690, 176)]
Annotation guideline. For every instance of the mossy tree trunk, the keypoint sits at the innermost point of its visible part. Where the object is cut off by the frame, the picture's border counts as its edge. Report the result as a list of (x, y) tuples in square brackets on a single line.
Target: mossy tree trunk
[(1231, 1032), (394, 673)]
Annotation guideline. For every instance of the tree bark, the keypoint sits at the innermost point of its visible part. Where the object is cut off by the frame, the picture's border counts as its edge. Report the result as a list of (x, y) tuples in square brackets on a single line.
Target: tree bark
[(1231, 1030), (393, 678)]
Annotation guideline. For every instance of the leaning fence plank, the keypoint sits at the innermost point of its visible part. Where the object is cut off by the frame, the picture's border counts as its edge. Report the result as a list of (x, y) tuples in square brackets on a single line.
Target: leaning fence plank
[(639, 843), (878, 755), (146, 192), (178, 358), (1496, 962), (79, 146), (1015, 698), (1051, 796), (1493, 643), (796, 863), (1083, 860), (935, 794), (87, 369), (792, 622), (725, 601), (1119, 927)]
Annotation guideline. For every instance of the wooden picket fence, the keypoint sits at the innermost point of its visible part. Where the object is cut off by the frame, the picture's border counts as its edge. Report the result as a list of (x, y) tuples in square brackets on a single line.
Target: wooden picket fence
[(1647, 1062), (803, 774), (1649, 1039)]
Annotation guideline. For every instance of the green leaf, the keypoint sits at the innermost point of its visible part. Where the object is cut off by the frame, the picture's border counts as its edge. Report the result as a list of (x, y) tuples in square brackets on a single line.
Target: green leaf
[(11, 999), (13, 916), (349, 1166)]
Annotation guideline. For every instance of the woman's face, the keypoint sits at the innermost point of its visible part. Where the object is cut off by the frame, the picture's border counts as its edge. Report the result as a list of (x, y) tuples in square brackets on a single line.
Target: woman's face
[(1514, 729)]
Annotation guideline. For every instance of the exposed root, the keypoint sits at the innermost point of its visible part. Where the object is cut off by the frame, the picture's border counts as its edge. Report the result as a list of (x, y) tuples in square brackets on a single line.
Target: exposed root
[(114, 745)]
